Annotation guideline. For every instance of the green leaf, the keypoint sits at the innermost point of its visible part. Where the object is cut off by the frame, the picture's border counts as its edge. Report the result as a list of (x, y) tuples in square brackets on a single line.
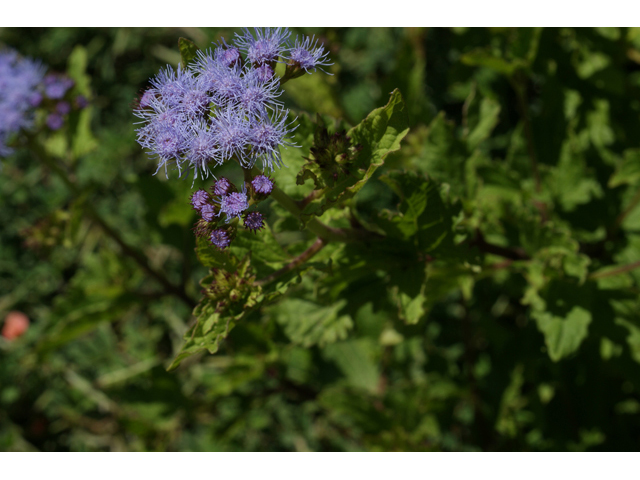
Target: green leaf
[(375, 137), (422, 217), (489, 116), (628, 170), (355, 360), (563, 335), (212, 257), (308, 323), (188, 51)]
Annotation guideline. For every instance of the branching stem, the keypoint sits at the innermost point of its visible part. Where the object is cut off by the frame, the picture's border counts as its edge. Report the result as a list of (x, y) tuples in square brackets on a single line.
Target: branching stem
[(615, 271), (295, 263)]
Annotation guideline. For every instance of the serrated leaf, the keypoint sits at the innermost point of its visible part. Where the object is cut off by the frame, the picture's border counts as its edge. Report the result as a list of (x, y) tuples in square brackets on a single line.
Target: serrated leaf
[(378, 135), (188, 51)]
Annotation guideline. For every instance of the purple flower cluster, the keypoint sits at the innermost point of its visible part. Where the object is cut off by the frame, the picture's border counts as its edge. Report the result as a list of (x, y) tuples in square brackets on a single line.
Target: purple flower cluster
[(19, 95), (225, 199), (224, 105), (23, 87)]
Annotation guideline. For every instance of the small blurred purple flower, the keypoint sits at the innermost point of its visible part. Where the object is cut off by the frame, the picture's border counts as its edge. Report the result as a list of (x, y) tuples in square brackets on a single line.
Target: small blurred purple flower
[(55, 86), (63, 108), (55, 121)]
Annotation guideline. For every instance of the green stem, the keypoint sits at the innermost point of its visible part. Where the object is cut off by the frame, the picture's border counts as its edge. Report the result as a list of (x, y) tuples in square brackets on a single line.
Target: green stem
[(136, 255)]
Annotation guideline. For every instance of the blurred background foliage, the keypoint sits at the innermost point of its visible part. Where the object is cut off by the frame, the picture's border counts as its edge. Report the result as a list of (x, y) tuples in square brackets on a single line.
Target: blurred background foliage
[(524, 335)]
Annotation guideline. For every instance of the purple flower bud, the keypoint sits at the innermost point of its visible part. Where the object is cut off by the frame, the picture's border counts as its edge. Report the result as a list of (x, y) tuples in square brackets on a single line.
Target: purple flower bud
[(254, 221), (207, 212), (82, 102), (221, 187), (262, 184), (199, 199), (63, 108), (55, 121), (220, 238), (55, 86)]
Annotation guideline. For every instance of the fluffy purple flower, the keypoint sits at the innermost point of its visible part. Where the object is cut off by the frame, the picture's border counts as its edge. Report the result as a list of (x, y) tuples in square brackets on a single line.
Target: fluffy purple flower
[(55, 121), (307, 55), (171, 85), (199, 199), (254, 221), (201, 149), (55, 86), (220, 238), (262, 184), (266, 136), (221, 187), (226, 55), (231, 130), (264, 73), (266, 45), (234, 204), (257, 95)]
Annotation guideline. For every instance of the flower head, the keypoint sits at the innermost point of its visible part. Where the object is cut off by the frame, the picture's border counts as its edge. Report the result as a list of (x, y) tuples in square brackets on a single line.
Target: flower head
[(266, 136), (308, 55), (254, 221), (234, 204), (199, 199), (262, 184), (265, 45), (222, 187), (208, 212), (55, 121), (55, 86), (220, 238)]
